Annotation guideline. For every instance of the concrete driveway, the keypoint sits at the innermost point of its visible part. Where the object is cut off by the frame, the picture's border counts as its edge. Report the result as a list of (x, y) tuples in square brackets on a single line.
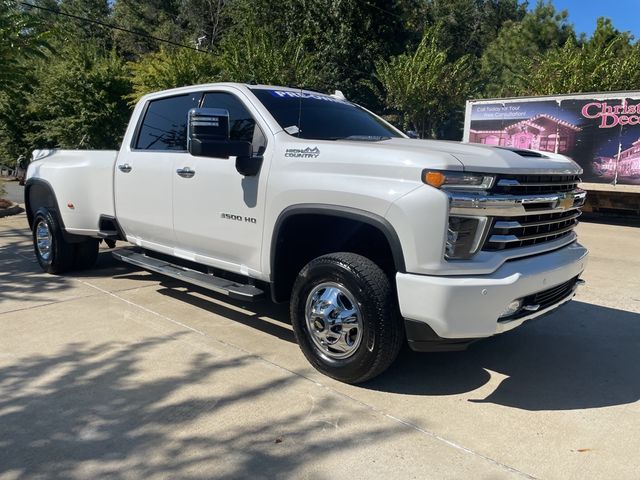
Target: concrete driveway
[(15, 192), (117, 372)]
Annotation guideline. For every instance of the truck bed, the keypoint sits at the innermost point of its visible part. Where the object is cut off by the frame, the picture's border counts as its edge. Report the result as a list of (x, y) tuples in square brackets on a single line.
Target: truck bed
[(83, 181)]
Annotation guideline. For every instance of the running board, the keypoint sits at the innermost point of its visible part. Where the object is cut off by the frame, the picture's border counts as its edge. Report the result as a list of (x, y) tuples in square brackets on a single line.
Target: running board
[(239, 291)]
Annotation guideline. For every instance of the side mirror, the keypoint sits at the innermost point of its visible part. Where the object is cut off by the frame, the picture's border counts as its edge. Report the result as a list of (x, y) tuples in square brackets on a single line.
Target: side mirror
[(208, 135), (250, 166), (412, 134)]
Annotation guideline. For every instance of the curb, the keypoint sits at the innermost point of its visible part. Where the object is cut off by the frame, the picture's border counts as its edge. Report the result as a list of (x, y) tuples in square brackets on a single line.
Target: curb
[(12, 210)]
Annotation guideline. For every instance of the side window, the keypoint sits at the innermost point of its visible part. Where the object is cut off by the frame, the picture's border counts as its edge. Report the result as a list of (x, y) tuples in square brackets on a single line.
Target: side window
[(242, 126), (164, 126)]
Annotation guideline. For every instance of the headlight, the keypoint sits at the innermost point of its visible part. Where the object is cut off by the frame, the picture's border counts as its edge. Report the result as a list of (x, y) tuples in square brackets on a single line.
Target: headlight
[(464, 236), (457, 180)]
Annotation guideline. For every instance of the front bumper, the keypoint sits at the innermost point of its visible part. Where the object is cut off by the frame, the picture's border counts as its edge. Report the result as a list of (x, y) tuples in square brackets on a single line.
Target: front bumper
[(469, 307)]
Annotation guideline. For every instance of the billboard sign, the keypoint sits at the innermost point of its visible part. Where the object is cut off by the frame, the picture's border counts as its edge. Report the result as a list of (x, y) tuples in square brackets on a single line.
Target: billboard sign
[(602, 134)]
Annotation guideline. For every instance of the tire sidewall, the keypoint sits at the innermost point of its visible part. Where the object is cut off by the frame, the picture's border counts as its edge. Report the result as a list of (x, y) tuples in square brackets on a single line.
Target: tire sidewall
[(57, 262), (313, 275)]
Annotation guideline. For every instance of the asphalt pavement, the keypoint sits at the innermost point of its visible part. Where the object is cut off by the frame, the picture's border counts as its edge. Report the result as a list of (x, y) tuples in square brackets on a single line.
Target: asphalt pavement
[(120, 373)]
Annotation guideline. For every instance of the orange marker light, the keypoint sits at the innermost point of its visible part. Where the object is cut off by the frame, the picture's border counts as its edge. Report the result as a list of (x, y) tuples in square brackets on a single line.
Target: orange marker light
[(435, 179)]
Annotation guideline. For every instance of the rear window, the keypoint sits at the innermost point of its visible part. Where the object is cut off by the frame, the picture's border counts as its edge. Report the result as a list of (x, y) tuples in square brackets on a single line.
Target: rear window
[(322, 117), (164, 126)]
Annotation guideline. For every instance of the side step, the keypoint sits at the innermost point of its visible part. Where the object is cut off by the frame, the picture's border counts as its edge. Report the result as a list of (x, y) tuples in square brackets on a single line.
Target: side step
[(239, 291)]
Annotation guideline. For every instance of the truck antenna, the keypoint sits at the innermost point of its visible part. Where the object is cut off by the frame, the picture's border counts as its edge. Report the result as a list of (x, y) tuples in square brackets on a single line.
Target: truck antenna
[(300, 113)]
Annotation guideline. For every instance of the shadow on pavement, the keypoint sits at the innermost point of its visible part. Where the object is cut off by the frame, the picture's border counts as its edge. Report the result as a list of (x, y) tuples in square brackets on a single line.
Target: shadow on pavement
[(88, 412), (582, 356)]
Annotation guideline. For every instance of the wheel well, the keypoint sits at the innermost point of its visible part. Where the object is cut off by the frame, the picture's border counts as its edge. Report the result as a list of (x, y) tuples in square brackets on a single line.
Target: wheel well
[(39, 195), (300, 238)]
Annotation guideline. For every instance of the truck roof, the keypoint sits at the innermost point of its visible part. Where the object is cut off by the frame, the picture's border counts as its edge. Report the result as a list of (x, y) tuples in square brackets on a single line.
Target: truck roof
[(238, 85)]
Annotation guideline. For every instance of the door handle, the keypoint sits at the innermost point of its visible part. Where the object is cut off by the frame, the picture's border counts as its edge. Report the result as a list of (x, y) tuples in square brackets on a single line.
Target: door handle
[(186, 172), (126, 168)]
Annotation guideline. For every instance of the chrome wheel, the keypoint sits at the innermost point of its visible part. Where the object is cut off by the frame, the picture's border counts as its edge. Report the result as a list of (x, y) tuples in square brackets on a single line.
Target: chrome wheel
[(43, 240), (334, 320)]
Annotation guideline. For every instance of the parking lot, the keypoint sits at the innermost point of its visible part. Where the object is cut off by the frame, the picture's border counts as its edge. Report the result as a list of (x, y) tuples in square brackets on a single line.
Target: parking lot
[(118, 372)]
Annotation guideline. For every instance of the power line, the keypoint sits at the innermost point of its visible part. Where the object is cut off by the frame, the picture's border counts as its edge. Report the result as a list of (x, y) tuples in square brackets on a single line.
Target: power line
[(381, 9), (114, 27)]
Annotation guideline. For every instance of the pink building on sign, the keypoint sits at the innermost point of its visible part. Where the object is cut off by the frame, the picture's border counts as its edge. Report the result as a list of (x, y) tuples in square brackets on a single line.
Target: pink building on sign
[(629, 162), (542, 132)]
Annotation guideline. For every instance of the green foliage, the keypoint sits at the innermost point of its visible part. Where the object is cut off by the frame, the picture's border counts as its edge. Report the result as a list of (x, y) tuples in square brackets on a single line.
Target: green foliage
[(170, 68), (601, 66), (69, 83), (256, 55), (505, 62), (20, 41), (424, 86), (80, 100), (466, 26)]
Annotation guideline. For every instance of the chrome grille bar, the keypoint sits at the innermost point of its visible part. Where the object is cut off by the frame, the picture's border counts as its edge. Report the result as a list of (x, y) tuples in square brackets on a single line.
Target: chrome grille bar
[(523, 238), (506, 225)]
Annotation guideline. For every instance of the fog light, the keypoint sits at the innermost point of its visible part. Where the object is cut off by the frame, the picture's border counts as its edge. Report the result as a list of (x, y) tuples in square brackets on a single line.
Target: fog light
[(512, 308)]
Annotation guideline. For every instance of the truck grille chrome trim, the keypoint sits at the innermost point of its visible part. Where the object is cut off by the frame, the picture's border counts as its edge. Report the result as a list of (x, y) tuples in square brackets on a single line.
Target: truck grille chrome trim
[(536, 216), (514, 205)]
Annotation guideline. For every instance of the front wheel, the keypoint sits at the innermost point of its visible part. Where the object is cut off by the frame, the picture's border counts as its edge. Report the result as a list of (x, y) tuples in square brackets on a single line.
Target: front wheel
[(345, 317)]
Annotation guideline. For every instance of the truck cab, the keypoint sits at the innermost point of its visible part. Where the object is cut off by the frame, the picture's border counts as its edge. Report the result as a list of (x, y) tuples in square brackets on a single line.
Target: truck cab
[(374, 238)]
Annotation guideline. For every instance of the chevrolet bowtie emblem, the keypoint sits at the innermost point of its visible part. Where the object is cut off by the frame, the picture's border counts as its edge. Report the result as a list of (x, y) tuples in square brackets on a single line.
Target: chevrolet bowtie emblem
[(567, 202)]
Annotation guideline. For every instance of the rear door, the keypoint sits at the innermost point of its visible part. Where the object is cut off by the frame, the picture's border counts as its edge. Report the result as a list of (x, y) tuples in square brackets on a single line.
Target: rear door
[(144, 172)]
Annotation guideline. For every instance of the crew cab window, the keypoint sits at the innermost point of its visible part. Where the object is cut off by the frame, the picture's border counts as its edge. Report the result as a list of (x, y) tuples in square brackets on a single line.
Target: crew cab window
[(164, 126), (242, 126)]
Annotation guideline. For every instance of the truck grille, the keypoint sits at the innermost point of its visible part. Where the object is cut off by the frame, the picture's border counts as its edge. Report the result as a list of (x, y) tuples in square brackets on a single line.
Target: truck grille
[(515, 232), (540, 223), (534, 184)]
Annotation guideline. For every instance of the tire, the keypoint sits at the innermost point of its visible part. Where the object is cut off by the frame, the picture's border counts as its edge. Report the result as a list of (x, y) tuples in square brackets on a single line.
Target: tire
[(86, 253), (351, 286), (54, 254)]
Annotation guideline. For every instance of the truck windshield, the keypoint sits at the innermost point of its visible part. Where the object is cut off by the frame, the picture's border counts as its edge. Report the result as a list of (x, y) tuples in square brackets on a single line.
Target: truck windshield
[(322, 117)]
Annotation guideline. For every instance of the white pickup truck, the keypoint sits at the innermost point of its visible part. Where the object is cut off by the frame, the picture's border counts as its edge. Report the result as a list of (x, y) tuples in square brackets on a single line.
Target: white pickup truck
[(373, 237)]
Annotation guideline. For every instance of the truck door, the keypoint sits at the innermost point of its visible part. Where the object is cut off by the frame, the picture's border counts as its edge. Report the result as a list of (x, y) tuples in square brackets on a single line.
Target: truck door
[(217, 212), (144, 172)]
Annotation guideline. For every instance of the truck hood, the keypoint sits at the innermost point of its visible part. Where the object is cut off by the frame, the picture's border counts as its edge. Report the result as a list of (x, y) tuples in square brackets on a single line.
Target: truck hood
[(483, 158)]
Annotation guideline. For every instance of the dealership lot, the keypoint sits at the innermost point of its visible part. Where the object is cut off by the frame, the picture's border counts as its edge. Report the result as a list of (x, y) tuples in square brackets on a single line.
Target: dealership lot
[(120, 372)]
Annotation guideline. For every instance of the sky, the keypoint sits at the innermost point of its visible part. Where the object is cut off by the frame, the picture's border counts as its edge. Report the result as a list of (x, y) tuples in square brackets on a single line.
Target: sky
[(625, 14)]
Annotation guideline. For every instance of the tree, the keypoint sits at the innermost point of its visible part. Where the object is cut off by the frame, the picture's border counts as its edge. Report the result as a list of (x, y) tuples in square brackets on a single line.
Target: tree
[(347, 37), (170, 68), (466, 26), (149, 18), (591, 67), (424, 86), (504, 64), (80, 101), (258, 56), (20, 40)]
